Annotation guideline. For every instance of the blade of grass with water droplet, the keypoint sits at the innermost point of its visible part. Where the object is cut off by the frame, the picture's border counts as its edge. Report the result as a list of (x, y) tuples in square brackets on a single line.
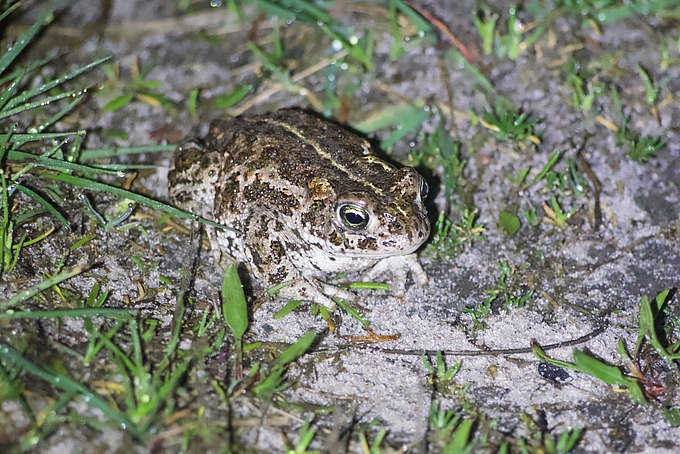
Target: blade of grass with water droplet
[(142, 200), (40, 103), (44, 285), (11, 356), (10, 90), (87, 155), (20, 139), (57, 164), (120, 314), (8, 57), (54, 83), (42, 201)]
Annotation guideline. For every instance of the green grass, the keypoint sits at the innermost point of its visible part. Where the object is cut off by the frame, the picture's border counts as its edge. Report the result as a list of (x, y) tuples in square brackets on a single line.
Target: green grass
[(639, 149), (440, 374), (651, 330), (449, 237), (508, 292), (511, 126)]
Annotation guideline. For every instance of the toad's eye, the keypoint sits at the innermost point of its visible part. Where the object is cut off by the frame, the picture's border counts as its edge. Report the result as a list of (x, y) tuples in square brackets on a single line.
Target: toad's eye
[(353, 216), (424, 189)]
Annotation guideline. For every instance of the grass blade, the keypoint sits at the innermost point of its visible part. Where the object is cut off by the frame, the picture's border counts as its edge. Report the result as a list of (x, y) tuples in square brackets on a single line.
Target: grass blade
[(12, 357), (10, 90), (54, 83), (297, 349), (48, 206), (20, 139), (44, 285), (40, 103), (43, 19), (57, 164), (156, 205), (234, 307), (59, 115), (87, 155), (120, 314), (9, 11)]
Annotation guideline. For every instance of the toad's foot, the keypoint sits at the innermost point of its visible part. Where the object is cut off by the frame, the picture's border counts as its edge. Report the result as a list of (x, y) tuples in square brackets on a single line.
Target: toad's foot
[(316, 291), (399, 266)]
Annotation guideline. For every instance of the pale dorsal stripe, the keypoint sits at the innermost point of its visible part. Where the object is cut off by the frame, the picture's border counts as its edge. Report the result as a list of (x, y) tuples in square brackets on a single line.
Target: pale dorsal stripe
[(323, 154)]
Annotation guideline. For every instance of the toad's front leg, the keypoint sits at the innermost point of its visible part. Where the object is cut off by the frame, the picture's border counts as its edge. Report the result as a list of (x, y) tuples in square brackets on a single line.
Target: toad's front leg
[(398, 266), (274, 270)]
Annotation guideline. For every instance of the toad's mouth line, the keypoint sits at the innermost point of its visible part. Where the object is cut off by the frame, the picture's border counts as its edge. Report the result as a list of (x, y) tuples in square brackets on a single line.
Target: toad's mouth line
[(367, 253)]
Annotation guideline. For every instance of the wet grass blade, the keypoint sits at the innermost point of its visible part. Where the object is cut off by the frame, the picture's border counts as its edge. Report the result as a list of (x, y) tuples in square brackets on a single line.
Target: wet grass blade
[(12, 357), (8, 57), (40, 103), (87, 155), (44, 285), (120, 314), (388, 117), (18, 140), (41, 200), (461, 63), (6, 226), (26, 69), (54, 83), (142, 200), (57, 164), (10, 90), (59, 115)]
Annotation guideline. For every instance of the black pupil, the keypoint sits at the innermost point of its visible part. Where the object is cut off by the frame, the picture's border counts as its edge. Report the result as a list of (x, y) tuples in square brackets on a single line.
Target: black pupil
[(424, 190), (354, 218)]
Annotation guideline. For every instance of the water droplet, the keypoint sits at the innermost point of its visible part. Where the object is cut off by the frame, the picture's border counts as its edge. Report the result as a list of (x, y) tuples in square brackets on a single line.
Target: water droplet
[(337, 45)]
